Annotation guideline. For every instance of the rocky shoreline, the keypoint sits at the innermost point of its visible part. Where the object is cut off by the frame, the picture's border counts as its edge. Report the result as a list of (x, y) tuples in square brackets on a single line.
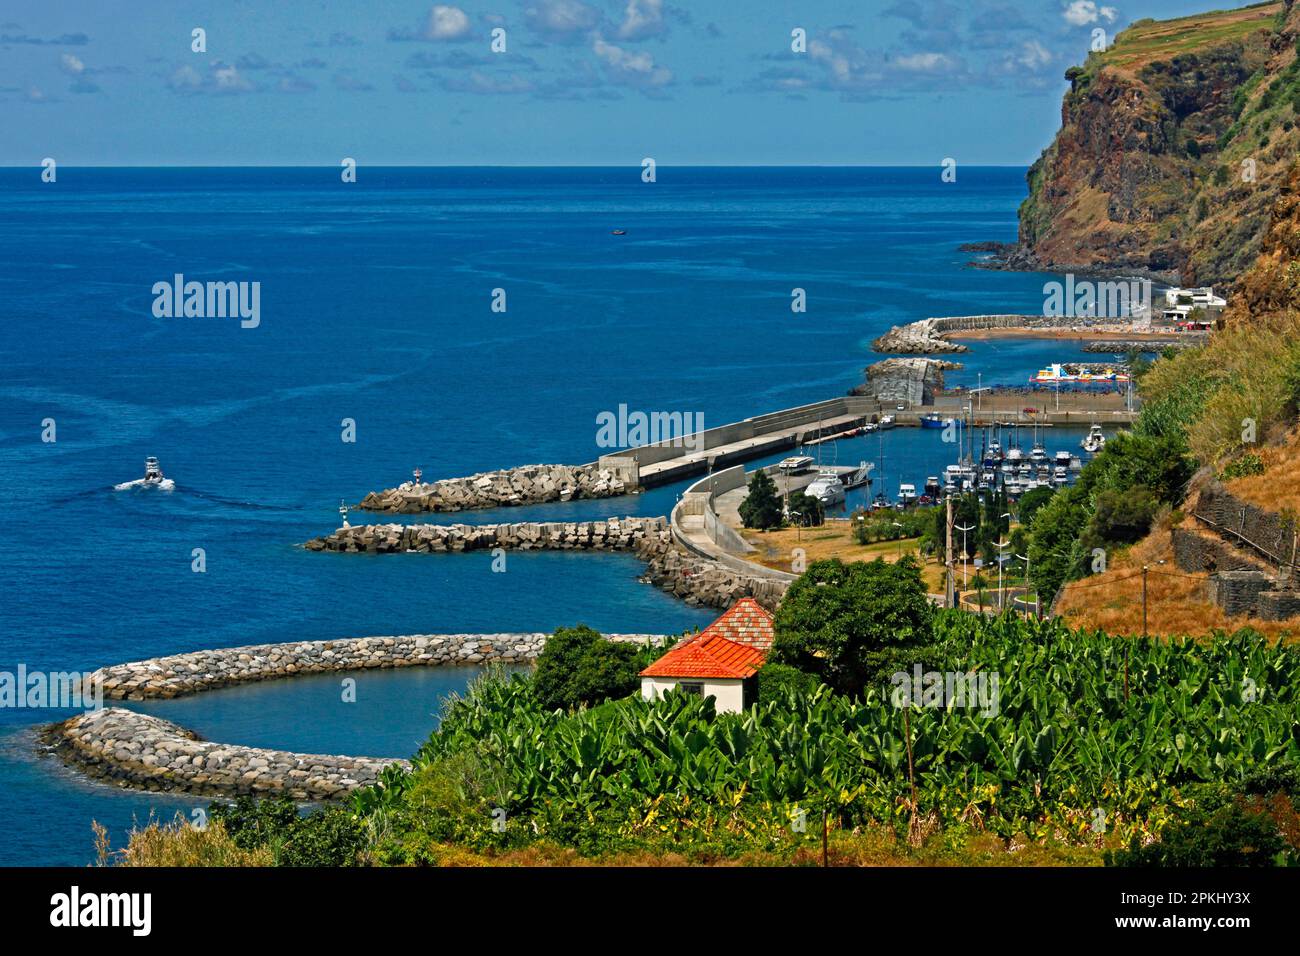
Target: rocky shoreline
[(148, 753), (613, 534), (510, 487)]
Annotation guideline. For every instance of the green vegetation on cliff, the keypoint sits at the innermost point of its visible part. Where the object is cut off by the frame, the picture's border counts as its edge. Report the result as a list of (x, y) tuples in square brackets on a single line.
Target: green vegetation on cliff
[(1174, 143)]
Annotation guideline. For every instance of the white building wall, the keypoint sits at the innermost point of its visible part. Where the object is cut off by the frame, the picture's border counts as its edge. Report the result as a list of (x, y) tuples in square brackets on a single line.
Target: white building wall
[(728, 695)]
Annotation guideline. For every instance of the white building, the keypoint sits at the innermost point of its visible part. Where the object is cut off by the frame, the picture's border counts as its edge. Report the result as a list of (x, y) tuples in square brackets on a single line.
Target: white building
[(1181, 303), (719, 662)]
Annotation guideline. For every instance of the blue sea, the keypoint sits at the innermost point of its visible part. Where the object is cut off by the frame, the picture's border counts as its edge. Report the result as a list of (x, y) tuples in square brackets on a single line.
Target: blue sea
[(376, 307)]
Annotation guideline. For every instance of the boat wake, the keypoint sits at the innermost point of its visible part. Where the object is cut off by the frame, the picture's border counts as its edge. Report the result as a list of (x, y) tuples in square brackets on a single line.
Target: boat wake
[(166, 484)]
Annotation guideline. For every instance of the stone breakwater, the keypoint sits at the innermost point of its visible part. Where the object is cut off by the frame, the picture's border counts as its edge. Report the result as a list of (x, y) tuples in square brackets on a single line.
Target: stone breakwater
[(614, 534), (526, 485), (181, 674), (701, 582), (147, 752), (928, 336)]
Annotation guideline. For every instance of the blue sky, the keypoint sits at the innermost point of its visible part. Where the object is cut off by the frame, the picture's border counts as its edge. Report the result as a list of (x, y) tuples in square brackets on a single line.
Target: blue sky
[(581, 82)]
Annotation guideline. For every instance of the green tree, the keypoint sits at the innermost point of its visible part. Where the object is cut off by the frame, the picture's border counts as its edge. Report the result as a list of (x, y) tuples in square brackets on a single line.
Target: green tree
[(1055, 551), (578, 666), (852, 625), (762, 506), (1032, 500), (808, 509)]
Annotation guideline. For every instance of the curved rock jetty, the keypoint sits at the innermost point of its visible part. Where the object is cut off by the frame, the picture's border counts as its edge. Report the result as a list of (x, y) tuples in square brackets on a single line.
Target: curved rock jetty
[(703, 582), (525, 485), (154, 754), (614, 534), (926, 337), (180, 674)]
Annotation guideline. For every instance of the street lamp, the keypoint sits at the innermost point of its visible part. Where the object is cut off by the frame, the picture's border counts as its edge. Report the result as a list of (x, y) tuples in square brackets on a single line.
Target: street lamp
[(963, 528), (1002, 594), (1025, 558), (798, 528), (898, 525)]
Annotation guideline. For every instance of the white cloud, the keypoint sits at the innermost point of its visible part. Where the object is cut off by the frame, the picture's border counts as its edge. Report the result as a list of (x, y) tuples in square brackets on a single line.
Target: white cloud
[(924, 62), (227, 79), (221, 77), (186, 78), (447, 23), (1033, 55), (71, 65), (1082, 12), (641, 19), (631, 69), (564, 20)]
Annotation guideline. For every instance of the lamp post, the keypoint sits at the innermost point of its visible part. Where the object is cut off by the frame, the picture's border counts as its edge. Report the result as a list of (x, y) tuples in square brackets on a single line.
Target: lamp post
[(1025, 558), (798, 528), (900, 538), (963, 528), (1002, 594)]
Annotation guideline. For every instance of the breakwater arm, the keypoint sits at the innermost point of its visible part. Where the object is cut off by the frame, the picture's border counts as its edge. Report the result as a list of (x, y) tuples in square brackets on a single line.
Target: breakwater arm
[(177, 675), (154, 754), (526, 485), (614, 534)]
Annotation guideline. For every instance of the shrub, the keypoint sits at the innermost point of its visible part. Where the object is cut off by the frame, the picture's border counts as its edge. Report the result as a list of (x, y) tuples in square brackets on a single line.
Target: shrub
[(180, 844), (1122, 517), (778, 680), (1230, 835), (1243, 467), (762, 506), (578, 667), (325, 837)]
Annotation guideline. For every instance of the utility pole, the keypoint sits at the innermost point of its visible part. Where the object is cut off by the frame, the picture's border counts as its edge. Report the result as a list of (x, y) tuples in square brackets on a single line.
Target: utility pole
[(1145, 568), (1002, 594), (948, 581), (1025, 558)]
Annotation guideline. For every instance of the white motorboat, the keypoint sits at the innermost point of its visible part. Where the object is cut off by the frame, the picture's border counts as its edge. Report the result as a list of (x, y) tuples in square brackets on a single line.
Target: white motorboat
[(795, 464), (826, 488), (886, 421), (906, 494), (153, 478), (1094, 441)]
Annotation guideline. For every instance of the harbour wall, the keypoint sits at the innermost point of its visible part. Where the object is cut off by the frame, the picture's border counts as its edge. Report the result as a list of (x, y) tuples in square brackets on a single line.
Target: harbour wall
[(614, 534), (510, 487), (177, 675), (928, 336)]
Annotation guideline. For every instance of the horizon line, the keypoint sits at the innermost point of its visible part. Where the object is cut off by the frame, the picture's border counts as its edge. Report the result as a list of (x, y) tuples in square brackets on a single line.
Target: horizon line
[(37, 165)]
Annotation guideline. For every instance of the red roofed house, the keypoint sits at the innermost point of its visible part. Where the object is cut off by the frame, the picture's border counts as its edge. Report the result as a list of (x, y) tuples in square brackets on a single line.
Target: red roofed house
[(719, 662)]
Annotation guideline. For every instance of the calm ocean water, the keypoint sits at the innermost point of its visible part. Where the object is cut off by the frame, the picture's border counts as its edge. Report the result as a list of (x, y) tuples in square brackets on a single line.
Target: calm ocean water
[(375, 306)]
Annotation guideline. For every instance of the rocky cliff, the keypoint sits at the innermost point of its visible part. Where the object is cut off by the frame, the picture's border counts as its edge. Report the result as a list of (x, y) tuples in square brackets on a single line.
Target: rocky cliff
[(1174, 145)]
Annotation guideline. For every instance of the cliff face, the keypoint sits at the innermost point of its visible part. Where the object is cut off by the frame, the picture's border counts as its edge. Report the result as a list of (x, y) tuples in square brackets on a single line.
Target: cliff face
[(1149, 170)]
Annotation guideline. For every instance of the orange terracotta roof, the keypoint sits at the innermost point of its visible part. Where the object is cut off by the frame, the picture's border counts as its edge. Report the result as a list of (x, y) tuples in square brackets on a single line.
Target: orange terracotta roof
[(745, 622), (708, 656)]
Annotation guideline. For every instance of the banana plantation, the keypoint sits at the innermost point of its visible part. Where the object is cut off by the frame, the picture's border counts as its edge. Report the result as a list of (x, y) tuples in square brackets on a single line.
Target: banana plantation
[(1092, 734)]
